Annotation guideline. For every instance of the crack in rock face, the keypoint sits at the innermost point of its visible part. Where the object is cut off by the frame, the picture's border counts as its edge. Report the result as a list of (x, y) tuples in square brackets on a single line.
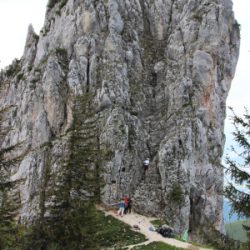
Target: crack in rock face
[(154, 77)]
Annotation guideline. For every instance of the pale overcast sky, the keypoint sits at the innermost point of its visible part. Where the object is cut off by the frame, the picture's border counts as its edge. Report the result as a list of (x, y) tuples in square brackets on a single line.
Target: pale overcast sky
[(16, 15), (239, 94)]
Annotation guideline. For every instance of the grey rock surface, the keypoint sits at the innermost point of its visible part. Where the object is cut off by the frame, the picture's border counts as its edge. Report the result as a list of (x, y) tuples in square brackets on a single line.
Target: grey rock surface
[(159, 73)]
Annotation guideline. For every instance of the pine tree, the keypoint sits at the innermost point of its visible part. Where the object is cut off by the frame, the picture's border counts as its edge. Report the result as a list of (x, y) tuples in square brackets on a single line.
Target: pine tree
[(239, 168), (67, 222), (9, 199)]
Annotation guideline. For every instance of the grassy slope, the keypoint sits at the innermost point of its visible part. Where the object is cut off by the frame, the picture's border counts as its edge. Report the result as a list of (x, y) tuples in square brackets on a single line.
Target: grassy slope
[(112, 232), (235, 231), (157, 246)]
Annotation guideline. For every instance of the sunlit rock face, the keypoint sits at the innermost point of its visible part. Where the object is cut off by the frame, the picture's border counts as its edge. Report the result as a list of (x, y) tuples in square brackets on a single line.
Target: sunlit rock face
[(158, 72)]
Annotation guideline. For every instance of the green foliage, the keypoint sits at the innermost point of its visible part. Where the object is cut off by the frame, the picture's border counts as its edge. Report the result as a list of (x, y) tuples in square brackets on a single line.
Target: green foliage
[(9, 200), (68, 218), (11, 236), (67, 230), (237, 25), (176, 194), (13, 69), (157, 246), (20, 77), (197, 17), (63, 57), (235, 230), (111, 232), (215, 238), (85, 158), (52, 3), (159, 222), (67, 205), (238, 167), (90, 229), (61, 52)]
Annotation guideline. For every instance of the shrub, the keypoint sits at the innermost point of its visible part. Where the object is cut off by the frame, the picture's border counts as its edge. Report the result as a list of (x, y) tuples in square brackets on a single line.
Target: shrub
[(52, 3), (13, 69), (176, 194)]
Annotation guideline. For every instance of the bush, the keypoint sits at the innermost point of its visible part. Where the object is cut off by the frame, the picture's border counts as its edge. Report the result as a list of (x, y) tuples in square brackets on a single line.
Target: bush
[(13, 69), (52, 3), (176, 194), (159, 222)]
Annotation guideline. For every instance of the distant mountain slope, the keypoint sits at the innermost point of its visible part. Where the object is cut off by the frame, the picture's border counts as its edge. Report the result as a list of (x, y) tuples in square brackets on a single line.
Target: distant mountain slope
[(235, 230), (228, 217)]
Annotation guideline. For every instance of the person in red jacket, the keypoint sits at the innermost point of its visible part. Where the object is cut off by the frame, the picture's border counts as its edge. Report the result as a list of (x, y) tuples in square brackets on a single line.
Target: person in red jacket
[(126, 201), (129, 207)]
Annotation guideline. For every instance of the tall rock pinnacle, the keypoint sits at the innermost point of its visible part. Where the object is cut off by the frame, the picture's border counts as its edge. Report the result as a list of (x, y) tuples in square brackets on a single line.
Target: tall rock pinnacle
[(153, 76)]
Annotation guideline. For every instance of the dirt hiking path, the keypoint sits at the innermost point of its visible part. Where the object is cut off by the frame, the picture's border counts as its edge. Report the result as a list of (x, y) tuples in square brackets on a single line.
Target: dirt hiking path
[(144, 223)]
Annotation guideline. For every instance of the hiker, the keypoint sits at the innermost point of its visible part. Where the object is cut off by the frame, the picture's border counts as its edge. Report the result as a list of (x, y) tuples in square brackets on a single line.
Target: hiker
[(121, 208), (129, 207), (126, 199)]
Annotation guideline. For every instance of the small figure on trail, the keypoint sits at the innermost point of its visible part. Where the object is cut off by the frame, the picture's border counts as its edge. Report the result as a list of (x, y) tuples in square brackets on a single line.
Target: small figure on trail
[(121, 208), (129, 207), (126, 203)]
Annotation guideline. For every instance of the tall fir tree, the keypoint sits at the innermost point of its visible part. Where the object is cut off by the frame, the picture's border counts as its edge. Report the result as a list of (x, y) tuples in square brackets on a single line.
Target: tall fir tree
[(9, 196), (238, 167), (68, 219)]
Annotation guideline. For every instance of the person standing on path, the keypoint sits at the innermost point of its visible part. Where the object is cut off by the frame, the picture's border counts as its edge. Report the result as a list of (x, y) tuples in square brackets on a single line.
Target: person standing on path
[(129, 208), (126, 203), (121, 208)]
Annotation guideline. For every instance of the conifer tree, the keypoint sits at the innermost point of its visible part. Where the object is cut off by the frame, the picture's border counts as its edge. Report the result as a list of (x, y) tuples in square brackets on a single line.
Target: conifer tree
[(68, 221), (239, 168), (9, 200)]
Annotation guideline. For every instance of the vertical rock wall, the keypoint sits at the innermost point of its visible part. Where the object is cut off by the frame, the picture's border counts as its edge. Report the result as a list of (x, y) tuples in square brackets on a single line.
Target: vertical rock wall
[(159, 73)]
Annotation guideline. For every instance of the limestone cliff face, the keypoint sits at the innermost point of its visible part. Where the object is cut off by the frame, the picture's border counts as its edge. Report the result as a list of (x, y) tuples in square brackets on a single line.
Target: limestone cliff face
[(158, 73)]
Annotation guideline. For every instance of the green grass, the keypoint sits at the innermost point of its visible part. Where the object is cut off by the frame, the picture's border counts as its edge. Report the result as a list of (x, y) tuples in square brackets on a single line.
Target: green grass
[(112, 232), (159, 222), (94, 232), (156, 246), (235, 230)]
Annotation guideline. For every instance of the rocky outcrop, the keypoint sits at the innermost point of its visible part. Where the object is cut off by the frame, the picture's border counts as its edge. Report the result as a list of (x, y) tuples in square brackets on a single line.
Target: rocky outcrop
[(156, 74)]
